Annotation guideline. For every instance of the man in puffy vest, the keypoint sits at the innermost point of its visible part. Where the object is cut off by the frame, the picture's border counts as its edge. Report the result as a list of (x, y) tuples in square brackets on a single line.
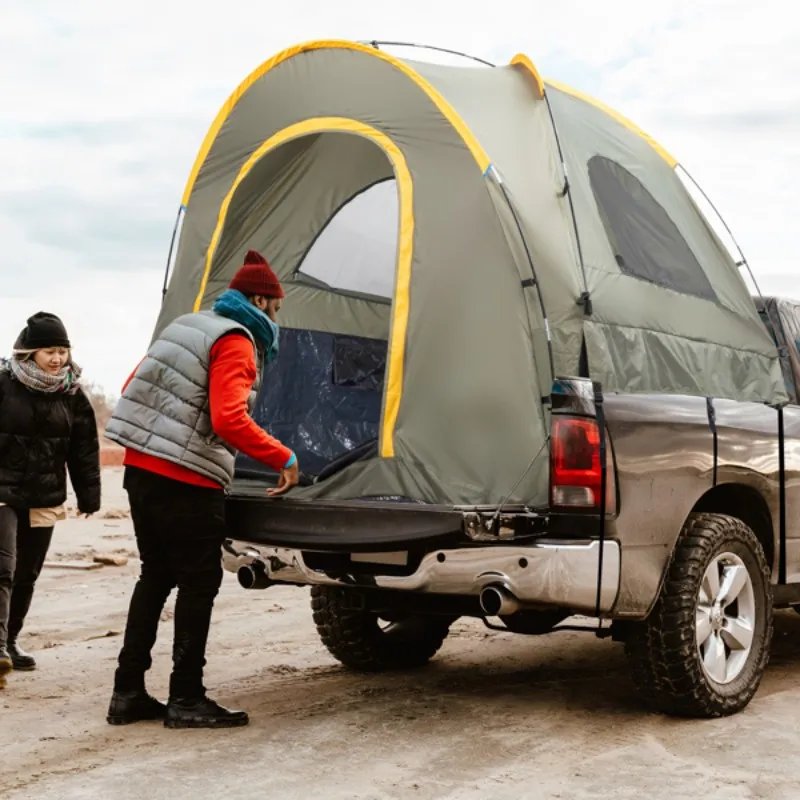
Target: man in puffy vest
[(183, 414)]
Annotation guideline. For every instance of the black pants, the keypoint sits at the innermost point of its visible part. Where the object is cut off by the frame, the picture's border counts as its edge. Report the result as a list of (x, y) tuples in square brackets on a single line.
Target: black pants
[(179, 531), (22, 553)]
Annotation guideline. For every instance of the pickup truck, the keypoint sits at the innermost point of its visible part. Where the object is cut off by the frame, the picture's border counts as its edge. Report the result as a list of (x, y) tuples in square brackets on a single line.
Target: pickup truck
[(673, 527)]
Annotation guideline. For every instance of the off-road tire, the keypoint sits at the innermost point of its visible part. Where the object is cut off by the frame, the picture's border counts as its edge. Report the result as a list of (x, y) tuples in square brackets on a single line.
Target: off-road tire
[(663, 653), (357, 640)]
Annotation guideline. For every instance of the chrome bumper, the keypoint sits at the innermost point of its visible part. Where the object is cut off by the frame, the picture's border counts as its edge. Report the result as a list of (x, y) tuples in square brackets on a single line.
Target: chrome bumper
[(552, 573)]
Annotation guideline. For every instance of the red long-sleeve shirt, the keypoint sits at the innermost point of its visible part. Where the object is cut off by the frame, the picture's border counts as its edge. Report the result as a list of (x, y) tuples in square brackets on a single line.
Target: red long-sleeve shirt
[(231, 374)]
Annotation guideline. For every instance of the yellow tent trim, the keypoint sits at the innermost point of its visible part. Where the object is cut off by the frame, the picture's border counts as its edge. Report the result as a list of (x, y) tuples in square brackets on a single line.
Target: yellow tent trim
[(673, 162), (400, 305), (444, 107), (520, 59)]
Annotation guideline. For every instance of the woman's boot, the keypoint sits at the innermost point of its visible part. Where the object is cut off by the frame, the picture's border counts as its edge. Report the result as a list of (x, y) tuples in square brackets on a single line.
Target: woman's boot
[(22, 661), (6, 666)]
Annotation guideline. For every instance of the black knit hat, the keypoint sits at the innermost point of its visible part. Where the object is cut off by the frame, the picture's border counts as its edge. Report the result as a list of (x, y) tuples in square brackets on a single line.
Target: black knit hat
[(43, 330)]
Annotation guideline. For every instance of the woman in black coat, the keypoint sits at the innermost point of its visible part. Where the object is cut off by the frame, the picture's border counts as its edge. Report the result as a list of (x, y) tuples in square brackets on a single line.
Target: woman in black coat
[(47, 427)]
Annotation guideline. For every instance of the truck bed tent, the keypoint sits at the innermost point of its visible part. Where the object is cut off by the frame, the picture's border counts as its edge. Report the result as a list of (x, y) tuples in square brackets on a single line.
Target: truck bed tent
[(440, 270)]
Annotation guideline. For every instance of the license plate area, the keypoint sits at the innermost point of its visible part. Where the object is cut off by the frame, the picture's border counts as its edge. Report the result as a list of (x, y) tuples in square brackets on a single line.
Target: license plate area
[(399, 558), (399, 562)]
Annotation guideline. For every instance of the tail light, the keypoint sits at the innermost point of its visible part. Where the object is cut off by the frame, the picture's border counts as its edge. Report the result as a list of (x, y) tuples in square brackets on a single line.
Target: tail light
[(576, 476)]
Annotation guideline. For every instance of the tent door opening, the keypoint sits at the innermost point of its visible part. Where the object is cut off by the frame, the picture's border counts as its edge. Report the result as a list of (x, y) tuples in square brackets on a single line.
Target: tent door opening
[(324, 210)]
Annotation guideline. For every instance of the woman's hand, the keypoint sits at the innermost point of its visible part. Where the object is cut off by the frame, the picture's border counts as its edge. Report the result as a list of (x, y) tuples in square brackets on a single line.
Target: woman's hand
[(289, 477)]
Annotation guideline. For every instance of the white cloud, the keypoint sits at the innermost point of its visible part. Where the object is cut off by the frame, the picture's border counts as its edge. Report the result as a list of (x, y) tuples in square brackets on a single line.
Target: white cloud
[(721, 93), (105, 107)]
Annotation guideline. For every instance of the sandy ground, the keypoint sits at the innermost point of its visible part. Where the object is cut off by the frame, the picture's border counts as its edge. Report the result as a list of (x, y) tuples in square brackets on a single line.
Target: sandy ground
[(494, 716)]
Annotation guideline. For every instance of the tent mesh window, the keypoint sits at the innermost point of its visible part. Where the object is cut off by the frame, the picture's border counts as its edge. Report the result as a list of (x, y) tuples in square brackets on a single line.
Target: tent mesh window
[(322, 398), (646, 242), (355, 253)]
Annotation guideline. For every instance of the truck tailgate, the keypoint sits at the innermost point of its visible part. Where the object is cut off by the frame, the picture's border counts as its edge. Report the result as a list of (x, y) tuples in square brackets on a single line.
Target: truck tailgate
[(252, 516)]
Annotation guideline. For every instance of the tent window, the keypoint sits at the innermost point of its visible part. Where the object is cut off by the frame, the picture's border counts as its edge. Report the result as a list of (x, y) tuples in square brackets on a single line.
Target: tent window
[(356, 251), (646, 242)]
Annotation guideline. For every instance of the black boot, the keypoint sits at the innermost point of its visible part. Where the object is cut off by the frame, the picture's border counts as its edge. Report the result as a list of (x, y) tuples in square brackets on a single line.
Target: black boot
[(202, 712), (6, 666), (136, 706), (22, 661)]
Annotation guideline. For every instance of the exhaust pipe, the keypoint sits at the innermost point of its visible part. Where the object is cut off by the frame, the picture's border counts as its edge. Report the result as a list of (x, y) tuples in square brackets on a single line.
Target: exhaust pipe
[(253, 576), (496, 601)]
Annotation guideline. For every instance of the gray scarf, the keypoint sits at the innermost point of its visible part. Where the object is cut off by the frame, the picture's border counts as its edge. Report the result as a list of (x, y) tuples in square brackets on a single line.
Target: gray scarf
[(33, 377)]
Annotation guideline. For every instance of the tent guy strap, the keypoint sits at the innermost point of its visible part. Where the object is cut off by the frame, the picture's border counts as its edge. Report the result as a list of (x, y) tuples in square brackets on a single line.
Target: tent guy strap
[(400, 305), (436, 98)]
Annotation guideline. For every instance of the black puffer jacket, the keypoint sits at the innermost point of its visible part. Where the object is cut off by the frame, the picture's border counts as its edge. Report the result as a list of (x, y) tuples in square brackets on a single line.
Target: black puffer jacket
[(41, 436)]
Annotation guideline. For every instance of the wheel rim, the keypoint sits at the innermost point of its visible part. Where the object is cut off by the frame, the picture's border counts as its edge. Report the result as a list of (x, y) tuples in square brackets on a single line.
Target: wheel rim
[(725, 618)]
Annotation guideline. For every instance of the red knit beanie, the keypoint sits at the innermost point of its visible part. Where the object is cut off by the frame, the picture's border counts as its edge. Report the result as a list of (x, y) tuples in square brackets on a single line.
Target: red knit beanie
[(256, 277)]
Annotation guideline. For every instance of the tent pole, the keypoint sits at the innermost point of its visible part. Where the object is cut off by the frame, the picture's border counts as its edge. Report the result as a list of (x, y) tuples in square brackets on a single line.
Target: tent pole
[(501, 183), (171, 248), (377, 45), (492, 170), (742, 262), (566, 192)]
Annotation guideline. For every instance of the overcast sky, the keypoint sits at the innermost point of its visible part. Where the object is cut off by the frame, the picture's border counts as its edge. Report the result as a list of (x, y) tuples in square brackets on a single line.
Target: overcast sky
[(104, 106)]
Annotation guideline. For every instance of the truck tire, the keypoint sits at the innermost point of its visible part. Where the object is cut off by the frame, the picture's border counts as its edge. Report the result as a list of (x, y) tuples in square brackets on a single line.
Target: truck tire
[(357, 639), (705, 646)]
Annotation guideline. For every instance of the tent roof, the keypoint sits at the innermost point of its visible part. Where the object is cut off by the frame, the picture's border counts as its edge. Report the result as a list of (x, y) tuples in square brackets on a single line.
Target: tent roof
[(447, 110), (436, 97), (631, 126)]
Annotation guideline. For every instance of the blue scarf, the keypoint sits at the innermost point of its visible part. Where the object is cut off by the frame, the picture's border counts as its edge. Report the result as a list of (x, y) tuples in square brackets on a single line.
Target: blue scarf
[(234, 305)]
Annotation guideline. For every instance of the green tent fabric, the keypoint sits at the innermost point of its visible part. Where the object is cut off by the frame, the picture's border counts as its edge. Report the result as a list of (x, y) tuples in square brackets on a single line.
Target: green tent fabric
[(505, 270), (782, 318)]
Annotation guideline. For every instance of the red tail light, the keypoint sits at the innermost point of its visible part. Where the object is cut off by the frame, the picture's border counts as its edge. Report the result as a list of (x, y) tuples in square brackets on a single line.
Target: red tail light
[(576, 473)]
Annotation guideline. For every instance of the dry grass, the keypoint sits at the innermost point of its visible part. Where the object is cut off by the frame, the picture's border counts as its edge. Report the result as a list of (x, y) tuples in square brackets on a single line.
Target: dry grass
[(111, 455)]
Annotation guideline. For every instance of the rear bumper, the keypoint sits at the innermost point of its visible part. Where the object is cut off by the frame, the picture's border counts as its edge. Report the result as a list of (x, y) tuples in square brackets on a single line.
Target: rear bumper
[(548, 573)]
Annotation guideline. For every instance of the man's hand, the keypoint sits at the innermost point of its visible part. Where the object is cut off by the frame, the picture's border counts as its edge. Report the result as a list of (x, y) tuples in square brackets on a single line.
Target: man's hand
[(289, 477)]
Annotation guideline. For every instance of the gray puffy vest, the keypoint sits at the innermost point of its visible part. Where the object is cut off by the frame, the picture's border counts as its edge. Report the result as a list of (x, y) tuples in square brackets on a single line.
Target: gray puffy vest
[(164, 410)]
